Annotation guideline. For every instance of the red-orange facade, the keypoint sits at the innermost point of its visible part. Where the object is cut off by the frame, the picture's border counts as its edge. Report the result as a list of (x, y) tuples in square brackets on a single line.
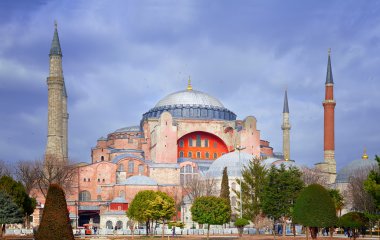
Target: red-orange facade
[(201, 145)]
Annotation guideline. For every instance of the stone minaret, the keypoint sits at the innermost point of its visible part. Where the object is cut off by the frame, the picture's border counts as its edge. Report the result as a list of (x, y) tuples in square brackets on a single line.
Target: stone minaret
[(329, 164), (286, 129), (56, 146)]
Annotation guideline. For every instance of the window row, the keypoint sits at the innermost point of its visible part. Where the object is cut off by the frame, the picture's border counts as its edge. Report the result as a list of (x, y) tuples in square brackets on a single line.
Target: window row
[(89, 180), (131, 167), (198, 155), (198, 142)]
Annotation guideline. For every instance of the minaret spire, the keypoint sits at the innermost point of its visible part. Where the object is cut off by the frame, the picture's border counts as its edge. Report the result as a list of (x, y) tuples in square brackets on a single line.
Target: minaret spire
[(286, 128), (55, 45), (189, 87), (329, 76)]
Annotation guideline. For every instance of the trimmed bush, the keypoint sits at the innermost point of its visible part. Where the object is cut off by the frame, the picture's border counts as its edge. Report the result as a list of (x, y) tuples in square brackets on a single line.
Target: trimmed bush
[(240, 223), (55, 223), (353, 220)]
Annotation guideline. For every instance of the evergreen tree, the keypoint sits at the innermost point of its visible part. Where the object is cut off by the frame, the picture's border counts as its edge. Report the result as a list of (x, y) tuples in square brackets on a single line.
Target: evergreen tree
[(280, 192), (9, 212), (338, 199), (354, 221), (210, 210), (55, 223), (224, 188), (314, 208), (252, 185)]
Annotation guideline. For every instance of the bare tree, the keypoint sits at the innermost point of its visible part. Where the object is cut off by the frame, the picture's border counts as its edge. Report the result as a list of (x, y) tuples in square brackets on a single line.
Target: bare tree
[(198, 186), (313, 175), (54, 171), (359, 199), (27, 173), (4, 171)]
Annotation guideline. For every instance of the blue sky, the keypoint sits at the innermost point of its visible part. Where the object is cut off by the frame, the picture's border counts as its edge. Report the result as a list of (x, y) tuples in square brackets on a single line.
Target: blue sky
[(122, 57)]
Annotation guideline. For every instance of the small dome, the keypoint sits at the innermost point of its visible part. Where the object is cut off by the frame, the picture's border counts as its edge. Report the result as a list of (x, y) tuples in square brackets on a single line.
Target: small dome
[(140, 180), (189, 97), (357, 165), (231, 161)]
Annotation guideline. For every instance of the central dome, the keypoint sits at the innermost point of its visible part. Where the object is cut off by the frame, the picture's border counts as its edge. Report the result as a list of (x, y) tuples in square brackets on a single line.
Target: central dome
[(191, 104), (189, 97)]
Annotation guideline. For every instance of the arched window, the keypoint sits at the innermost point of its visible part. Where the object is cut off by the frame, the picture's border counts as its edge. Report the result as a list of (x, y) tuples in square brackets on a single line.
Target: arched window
[(190, 142), (122, 194), (84, 179), (198, 143), (198, 154), (99, 198), (187, 173), (215, 144), (120, 168), (181, 154), (206, 142), (141, 169), (207, 155), (131, 166), (190, 155), (233, 186), (233, 201), (119, 224), (109, 224), (181, 143), (102, 158), (215, 155), (84, 196)]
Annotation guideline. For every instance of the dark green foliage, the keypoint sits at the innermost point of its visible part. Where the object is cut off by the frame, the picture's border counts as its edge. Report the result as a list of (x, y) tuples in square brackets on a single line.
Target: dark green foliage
[(372, 184), (55, 223), (225, 189), (281, 191), (353, 220), (210, 210), (9, 211), (17, 192), (314, 207), (241, 222), (138, 209), (253, 183), (337, 198)]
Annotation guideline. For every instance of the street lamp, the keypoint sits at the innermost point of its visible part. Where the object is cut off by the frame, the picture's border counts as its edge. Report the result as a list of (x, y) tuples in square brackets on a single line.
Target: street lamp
[(239, 148), (76, 214)]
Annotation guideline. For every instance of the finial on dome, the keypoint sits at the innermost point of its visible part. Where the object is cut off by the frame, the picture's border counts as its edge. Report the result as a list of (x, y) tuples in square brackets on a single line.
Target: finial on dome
[(189, 87), (329, 51), (365, 156), (55, 24)]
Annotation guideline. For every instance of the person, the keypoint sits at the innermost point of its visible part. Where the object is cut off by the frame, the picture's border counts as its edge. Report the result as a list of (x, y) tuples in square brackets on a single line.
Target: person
[(173, 231)]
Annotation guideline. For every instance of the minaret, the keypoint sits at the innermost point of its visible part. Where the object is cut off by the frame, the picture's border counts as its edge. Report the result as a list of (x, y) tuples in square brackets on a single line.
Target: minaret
[(65, 120), (329, 106), (286, 129), (55, 82)]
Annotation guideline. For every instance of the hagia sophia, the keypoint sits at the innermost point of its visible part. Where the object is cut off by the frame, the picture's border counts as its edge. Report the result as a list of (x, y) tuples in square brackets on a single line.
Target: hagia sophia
[(187, 134)]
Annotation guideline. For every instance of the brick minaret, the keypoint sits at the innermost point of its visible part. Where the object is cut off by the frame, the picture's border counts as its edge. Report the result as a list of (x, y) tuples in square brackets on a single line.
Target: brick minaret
[(286, 128), (328, 166), (57, 110)]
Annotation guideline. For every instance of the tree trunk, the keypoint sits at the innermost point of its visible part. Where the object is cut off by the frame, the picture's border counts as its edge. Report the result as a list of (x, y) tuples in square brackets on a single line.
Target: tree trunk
[(331, 232), (314, 232), (208, 230), (274, 231), (307, 233), (284, 227), (163, 229), (2, 230), (294, 229)]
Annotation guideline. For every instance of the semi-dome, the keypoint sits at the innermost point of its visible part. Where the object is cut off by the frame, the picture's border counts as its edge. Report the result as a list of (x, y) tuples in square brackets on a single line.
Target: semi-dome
[(191, 103), (140, 180), (358, 165), (232, 162)]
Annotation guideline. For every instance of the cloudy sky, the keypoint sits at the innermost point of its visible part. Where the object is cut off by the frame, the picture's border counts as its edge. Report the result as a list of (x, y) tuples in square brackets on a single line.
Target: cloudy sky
[(122, 57)]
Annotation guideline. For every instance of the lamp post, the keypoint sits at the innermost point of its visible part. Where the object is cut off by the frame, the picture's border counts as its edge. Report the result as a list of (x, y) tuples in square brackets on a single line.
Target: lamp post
[(239, 148), (76, 213)]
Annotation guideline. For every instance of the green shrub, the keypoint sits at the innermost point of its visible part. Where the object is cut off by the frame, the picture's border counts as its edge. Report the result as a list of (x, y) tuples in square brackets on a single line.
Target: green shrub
[(241, 222), (55, 223)]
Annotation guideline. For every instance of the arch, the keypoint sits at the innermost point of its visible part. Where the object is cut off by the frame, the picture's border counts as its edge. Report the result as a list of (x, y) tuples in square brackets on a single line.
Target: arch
[(119, 224), (85, 196), (199, 143), (141, 169), (109, 224)]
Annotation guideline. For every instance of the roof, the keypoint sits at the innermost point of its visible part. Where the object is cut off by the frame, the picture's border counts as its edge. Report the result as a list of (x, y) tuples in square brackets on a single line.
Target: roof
[(329, 76), (232, 161), (189, 97), (129, 129), (140, 180), (286, 106), (55, 45)]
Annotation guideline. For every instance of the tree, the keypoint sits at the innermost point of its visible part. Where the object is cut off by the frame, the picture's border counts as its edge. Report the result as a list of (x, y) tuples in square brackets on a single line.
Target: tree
[(210, 210), (313, 175), (357, 196), (9, 212), (4, 169), (240, 223), (198, 186), (140, 210), (338, 200), (225, 188), (27, 173), (252, 185), (280, 193), (17, 192), (55, 223), (162, 208), (314, 208), (372, 184), (354, 221)]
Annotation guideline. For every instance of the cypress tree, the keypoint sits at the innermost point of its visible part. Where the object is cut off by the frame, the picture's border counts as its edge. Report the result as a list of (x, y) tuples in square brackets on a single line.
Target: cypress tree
[(55, 223), (224, 188)]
